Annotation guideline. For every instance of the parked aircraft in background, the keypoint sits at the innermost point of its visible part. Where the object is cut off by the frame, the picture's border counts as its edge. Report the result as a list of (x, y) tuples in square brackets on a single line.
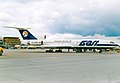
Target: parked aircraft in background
[(57, 45)]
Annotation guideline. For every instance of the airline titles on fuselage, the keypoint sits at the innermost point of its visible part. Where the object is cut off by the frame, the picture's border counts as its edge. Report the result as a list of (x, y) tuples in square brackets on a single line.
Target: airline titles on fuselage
[(88, 43)]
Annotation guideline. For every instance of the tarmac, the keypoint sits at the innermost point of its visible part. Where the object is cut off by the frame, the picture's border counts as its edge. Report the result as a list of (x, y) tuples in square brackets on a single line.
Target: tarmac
[(34, 66)]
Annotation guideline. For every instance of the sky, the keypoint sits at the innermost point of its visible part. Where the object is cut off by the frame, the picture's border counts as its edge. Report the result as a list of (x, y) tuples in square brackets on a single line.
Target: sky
[(64, 17)]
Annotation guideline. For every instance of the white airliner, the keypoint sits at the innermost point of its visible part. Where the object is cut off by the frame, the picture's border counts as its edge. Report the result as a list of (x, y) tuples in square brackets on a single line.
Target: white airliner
[(80, 45)]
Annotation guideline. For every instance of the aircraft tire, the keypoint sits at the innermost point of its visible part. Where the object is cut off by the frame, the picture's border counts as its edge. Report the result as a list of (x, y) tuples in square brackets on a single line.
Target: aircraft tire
[(100, 51), (49, 51), (79, 51), (58, 50)]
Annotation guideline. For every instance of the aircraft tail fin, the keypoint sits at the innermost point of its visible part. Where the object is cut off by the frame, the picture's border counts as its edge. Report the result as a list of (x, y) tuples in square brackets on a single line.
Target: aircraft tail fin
[(26, 35)]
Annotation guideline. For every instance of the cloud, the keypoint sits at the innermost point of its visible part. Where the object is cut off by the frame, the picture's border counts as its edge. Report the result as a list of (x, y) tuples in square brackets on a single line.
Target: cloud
[(82, 17)]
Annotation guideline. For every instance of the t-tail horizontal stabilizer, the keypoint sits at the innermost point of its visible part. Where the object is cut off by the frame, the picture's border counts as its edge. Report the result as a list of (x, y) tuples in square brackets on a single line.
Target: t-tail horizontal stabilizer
[(26, 35)]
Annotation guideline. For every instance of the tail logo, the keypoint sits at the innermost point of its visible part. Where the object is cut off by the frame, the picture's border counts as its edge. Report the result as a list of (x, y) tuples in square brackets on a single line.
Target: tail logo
[(25, 33)]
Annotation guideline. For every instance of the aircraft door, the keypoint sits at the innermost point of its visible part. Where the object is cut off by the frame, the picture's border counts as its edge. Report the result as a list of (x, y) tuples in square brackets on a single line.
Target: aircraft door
[(41, 42)]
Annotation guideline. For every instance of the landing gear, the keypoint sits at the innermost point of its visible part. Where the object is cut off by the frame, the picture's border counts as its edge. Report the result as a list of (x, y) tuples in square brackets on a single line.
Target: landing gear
[(88, 50), (49, 50), (58, 50), (94, 50), (79, 50), (100, 51), (84, 50)]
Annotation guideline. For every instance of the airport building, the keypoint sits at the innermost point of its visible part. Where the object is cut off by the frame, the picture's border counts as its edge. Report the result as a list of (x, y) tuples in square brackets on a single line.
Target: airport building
[(10, 42), (1, 42)]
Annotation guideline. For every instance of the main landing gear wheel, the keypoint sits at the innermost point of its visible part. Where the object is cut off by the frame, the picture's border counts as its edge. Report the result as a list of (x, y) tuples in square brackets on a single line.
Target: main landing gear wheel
[(58, 50), (100, 51), (79, 50), (49, 51)]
